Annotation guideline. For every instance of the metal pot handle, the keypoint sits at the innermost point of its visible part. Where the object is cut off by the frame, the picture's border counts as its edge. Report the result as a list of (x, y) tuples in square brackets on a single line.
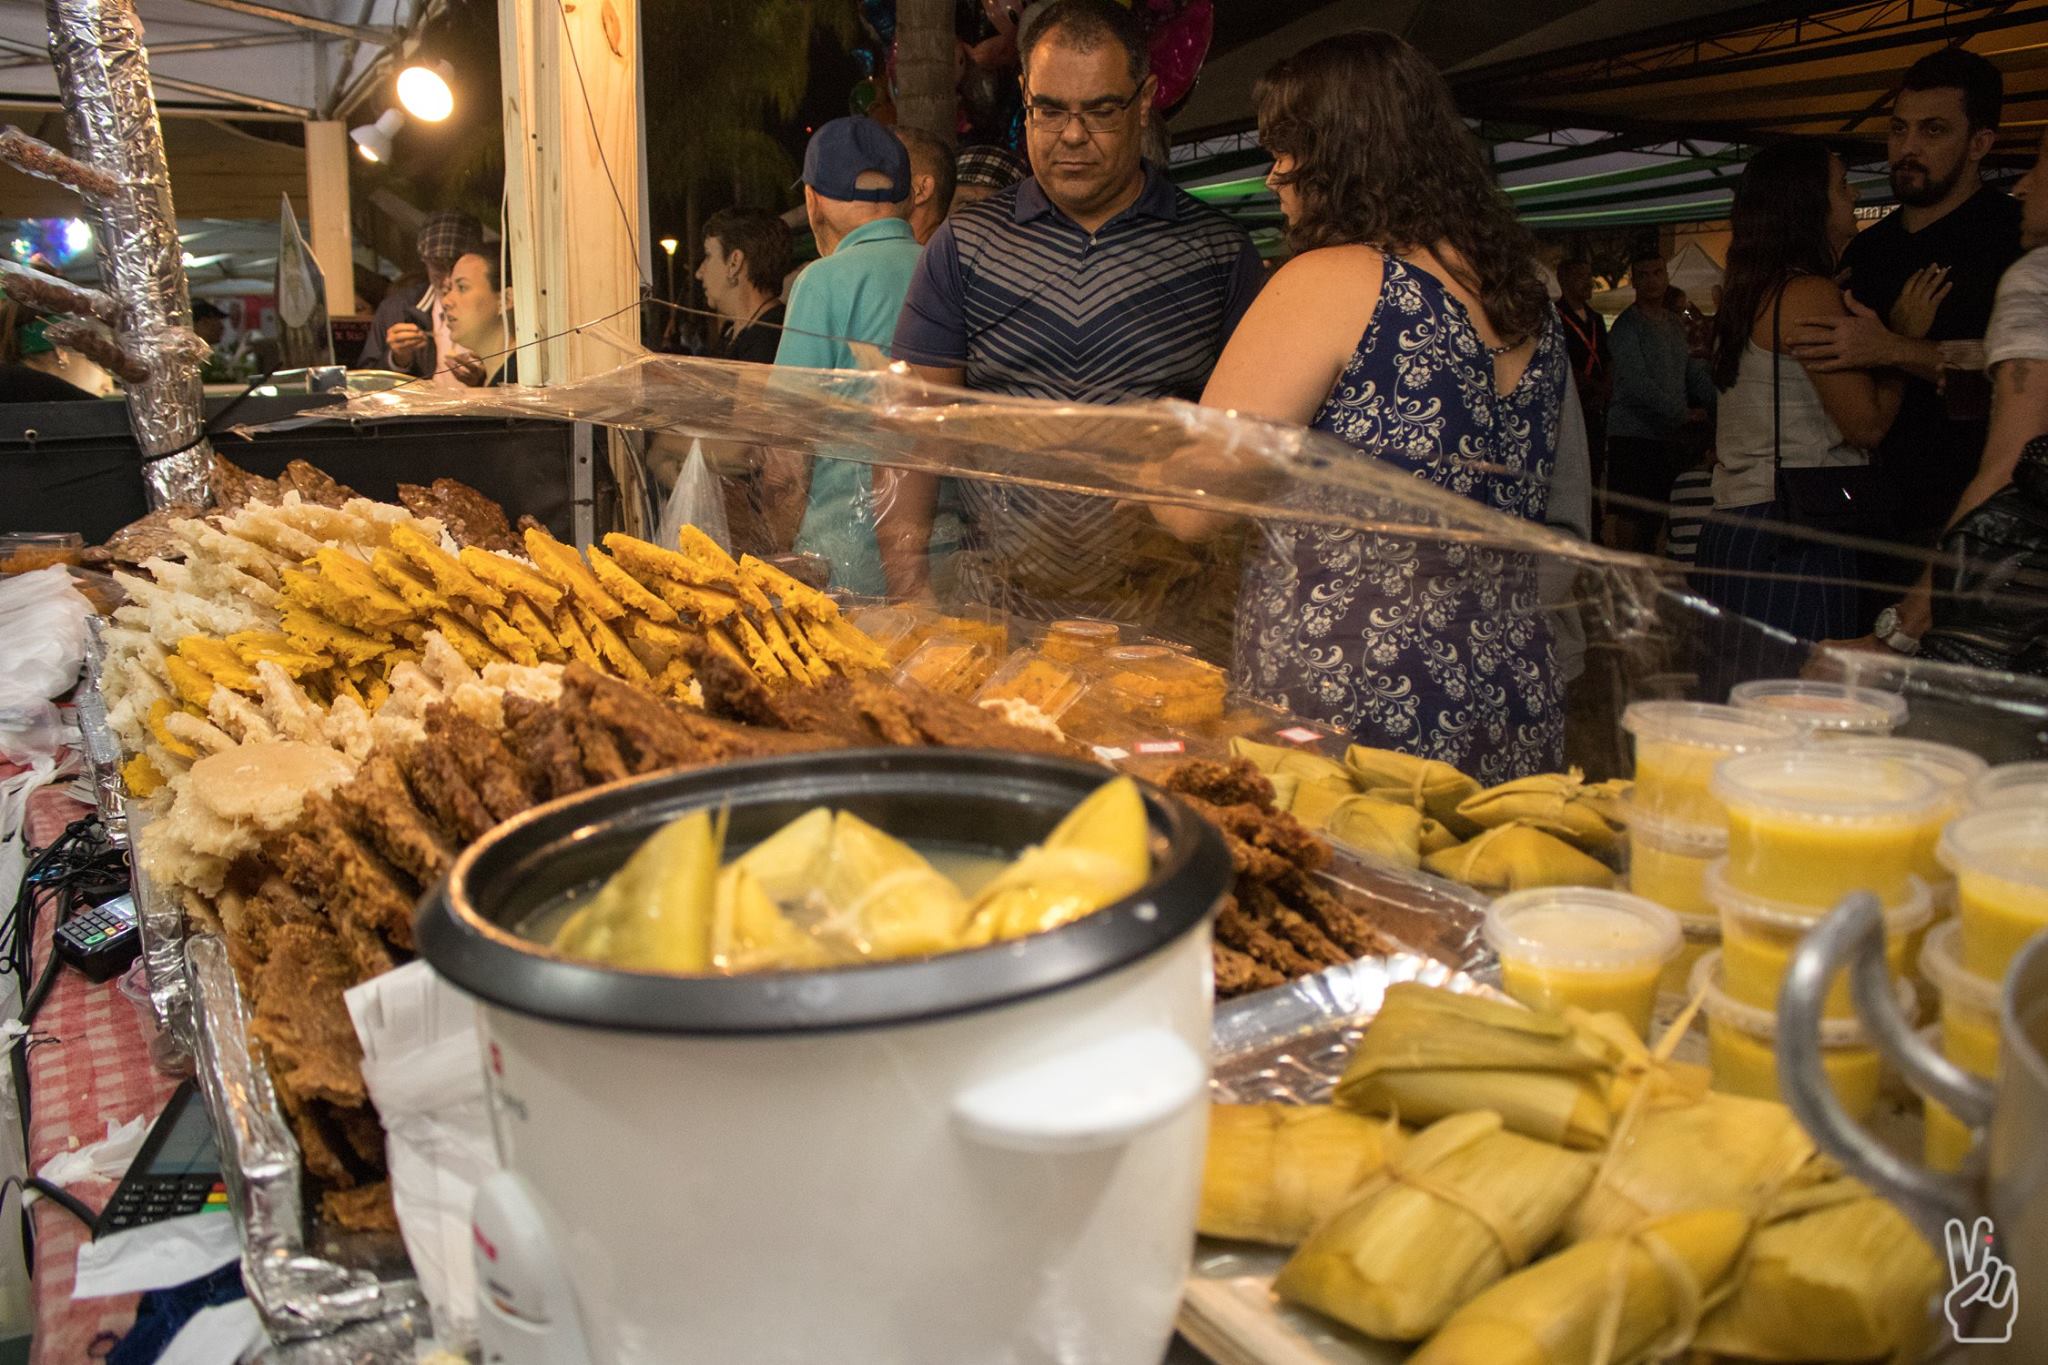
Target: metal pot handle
[(1853, 937)]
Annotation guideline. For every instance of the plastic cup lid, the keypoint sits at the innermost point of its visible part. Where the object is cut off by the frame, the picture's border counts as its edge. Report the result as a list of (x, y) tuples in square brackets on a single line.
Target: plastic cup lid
[(1941, 960), (1761, 1023), (1909, 914), (2010, 844), (1707, 726), (1607, 928), (1681, 837), (2010, 786), (1835, 708), (1953, 768), (1827, 785)]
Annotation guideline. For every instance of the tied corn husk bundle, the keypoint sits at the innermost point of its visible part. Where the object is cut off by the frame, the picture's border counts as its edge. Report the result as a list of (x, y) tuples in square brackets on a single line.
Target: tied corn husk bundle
[(1285, 788), (1276, 760), (1835, 1273), (859, 886), (1273, 1171), (1317, 799), (1434, 788), (1518, 857), (1380, 828), (1456, 1207), (1431, 1053), (1616, 1300), (1564, 804), (655, 913), (1100, 853), (1713, 1151)]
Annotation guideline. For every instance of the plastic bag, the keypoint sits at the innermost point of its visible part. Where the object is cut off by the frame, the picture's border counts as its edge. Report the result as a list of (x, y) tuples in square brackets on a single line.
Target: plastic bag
[(42, 617), (697, 501)]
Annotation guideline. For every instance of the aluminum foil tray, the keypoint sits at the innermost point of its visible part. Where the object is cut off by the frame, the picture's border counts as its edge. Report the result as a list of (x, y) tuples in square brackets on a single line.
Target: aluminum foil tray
[(1289, 1045)]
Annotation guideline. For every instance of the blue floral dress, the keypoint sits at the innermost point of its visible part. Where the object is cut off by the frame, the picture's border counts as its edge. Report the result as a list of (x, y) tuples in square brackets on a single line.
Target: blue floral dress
[(1431, 647)]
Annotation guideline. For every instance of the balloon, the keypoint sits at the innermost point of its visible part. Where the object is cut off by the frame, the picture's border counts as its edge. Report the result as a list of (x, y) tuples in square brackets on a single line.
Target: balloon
[(1178, 47), (880, 18), (1005, 15), (960, 60), (863, 97), (980, 93), (865, 60)]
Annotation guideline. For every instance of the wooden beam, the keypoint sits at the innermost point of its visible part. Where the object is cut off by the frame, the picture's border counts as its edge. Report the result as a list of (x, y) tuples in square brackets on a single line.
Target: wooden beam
[(327, 159)]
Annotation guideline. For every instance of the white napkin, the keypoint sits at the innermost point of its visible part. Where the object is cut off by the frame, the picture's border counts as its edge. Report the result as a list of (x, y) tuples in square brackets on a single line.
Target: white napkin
[(225, 1333), (424, 1068), (106, 1159), (156, 1255)]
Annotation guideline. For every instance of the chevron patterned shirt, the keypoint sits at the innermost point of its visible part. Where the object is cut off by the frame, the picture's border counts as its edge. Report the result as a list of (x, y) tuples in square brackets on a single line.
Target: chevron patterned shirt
[(1028, 303)]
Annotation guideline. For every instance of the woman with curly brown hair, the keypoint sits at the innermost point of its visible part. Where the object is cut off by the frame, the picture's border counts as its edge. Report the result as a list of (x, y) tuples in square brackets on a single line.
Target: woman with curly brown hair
[(1412, 324)]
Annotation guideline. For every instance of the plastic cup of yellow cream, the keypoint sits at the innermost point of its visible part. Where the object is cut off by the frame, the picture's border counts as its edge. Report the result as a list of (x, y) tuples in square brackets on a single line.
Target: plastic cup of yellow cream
[(2010, 786), (2000, 862), (1679, 742), (1571, 945), (1742, 1046), (1810, 826), (1823, 709), (1759, 936)]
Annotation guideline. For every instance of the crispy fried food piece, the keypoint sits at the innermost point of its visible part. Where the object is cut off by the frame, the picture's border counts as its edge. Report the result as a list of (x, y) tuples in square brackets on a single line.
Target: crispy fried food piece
[(257, 647), (807, 653), (469, 516), (452, 578), (627, 589), (402, 577), (784, 653), (235, 487), (565, 568), (319, 1144), (367, 1208), (505, 638), (141, 778), (475, 650), (706, 606), (151, 536), (1240, 973), (493, 772), (313, 485), (526, 619), (1237, 782), (602, 761), (1239, 929), (574, 640), (756, 650), (953, 722), (797, 598), (371, 605), (299, 1016), (365, 898), (192, 683), (317, 635), (610, 648), (539, 734), (445, 791), (219, 661), (381, 808), (160, 712), (510, 577)]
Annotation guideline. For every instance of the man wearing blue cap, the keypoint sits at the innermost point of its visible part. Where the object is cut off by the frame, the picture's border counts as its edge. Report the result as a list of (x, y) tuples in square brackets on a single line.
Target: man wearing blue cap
[(857, 195)]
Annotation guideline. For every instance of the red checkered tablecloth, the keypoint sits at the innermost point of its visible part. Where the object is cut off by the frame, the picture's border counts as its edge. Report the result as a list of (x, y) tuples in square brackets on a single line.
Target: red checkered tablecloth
[(88, 1063)]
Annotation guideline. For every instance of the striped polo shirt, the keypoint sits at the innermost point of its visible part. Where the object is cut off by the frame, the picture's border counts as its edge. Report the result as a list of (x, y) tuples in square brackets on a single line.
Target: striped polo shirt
[(1028, 303)]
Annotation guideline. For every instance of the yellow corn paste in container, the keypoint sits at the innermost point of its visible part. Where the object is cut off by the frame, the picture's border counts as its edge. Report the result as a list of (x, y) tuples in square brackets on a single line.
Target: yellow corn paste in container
[(1574, 945), (1968, 1032), (1742, 1044), (1810, 826), (1824, 710), (1759, 936), (2000, 862), (1679, 742), (1667, 863)]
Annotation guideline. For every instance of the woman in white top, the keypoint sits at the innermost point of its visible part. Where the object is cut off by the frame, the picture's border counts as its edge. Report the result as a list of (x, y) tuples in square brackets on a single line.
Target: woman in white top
[(1794, 213)]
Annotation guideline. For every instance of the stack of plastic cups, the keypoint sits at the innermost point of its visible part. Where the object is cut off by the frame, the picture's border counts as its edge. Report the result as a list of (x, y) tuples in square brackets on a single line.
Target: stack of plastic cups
[(1580, 946), (1824, 710), (1742, 1046), (2000, 862), (1676, 828), (2010, 786), (1807, 828), (1969, 1035)]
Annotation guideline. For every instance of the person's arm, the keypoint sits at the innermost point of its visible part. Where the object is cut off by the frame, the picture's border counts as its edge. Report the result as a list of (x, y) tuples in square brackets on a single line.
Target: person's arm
[(1857, 339), (1860, 402), (1569, 507), (931, 338), (1281, 363), (1247, 278), (806, 343)]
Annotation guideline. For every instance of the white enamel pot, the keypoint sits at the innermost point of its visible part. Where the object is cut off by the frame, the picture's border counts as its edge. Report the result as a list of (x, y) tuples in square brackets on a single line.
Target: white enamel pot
[(986, 1156)]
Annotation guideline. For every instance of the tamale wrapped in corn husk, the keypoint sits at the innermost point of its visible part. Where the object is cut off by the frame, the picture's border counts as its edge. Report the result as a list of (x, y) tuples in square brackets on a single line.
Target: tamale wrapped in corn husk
[(1436, 837), (654, 914), (1100, 853), (1713, 1151), (1316, 799), (1371, 825), (1272, 759), (1430, 1053), (1518, 857), (880, 892), (1611, 1301), (1456, 1207), (1285, 786), (749, 932), (1835, 1273), (1432, 787), (1556, 803), (1273, 1171)]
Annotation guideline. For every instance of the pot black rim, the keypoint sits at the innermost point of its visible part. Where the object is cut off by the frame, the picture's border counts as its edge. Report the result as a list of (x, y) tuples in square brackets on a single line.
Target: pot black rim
[(488, 960)]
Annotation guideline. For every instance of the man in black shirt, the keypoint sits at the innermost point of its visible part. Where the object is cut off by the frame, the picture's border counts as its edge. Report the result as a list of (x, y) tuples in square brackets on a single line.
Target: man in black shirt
[(1943, 123), (1585, 341)]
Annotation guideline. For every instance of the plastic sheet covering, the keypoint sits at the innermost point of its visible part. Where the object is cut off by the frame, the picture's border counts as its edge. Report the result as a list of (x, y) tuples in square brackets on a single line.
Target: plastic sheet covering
[(102, 746), (110, 113), (359, 1282), (1343, 589)]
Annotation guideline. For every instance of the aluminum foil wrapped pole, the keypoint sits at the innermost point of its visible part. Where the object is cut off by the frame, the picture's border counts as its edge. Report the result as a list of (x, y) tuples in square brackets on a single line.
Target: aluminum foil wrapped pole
[(110, 112)]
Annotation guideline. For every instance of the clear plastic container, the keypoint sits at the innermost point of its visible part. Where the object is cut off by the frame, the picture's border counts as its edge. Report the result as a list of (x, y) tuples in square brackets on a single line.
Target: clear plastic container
[(1679, 742), (951, 664), (1570, 945), (1809, 826), (1702, 936), (1823, 709), (1080, 639), (1955, 769), (1045, 683), (1742, 1047), (1667, 860), (1969, 1003), (2010, 786), (166, 1054), (2000, 862), (1162, 685), (1946, 1140), (1759, 936)]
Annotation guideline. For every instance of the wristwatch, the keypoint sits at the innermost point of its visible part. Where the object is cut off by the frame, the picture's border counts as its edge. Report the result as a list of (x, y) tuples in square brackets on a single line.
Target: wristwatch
[(1893, 635)]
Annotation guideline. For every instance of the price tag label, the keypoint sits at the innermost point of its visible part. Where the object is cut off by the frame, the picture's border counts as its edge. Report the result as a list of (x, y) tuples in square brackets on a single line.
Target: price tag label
[(1162, 746), (1298, 735)]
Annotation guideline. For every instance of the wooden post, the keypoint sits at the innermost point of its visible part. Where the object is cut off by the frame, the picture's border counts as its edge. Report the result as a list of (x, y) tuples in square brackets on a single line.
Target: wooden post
[(327, 205), (571, 75)]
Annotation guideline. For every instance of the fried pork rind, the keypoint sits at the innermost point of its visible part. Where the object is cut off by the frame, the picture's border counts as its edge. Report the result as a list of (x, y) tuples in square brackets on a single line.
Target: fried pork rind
[(451, 578), (627, 589), (316, 635), (565, 568), (505, 638), (299, 1017), (401, 577), (511, 577), (526, 619)]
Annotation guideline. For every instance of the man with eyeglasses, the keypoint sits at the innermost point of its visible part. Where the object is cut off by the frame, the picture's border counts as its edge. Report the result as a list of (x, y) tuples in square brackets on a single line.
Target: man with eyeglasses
[(1095, 281)]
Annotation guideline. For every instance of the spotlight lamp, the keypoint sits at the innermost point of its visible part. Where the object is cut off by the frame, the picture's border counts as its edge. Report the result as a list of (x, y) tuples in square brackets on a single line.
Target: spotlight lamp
[(373, 140), (426, 90)]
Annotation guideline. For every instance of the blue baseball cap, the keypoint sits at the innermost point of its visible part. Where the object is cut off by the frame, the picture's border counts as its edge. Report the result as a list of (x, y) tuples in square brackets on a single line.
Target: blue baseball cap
[(845, 149)]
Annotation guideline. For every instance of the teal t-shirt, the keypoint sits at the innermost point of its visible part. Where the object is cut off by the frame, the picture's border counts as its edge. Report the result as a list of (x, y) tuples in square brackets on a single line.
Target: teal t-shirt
[(855, 294)]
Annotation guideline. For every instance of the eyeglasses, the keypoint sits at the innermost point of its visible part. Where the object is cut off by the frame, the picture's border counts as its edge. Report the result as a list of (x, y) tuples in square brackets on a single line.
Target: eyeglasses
[(1096, 118)]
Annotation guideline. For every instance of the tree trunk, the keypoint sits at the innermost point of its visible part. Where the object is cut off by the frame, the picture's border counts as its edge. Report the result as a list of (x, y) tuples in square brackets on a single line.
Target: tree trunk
[(925, 45)]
